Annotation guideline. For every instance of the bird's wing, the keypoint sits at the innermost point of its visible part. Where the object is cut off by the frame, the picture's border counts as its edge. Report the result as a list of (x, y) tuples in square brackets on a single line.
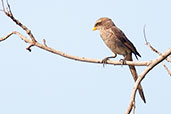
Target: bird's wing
[(121, 36)]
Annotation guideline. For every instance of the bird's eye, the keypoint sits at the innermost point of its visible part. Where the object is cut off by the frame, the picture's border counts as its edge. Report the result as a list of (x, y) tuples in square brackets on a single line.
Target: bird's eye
[(97, 24)]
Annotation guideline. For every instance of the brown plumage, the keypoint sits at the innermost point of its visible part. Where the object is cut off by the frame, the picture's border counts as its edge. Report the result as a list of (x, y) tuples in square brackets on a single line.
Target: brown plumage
[(116, 40)]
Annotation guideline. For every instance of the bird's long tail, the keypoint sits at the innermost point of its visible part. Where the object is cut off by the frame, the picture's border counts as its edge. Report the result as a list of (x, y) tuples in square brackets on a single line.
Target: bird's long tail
[(135, 76)]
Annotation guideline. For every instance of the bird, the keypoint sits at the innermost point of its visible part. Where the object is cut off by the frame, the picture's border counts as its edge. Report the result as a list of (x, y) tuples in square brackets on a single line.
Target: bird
[(118, 43)]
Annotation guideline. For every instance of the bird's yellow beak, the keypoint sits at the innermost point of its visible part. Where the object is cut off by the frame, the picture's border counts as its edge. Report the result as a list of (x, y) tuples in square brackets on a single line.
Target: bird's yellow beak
[(95, 28)]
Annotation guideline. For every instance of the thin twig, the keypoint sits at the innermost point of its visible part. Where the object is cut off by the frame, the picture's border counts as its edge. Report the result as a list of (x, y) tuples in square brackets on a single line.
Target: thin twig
[(44, 42), (154, 50), (166, 69), (145, 34), (3, 7)]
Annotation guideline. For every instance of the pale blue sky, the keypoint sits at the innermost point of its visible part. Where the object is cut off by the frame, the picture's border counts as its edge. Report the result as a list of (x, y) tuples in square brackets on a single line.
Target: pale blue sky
[(43, 83)]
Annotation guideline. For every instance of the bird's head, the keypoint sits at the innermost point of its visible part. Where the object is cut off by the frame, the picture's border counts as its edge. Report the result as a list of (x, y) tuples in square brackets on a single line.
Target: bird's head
[(103, 23)]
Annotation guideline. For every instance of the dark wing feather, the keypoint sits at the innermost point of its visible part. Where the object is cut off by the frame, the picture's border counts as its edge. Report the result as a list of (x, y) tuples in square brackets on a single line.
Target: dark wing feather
[(121, 36)]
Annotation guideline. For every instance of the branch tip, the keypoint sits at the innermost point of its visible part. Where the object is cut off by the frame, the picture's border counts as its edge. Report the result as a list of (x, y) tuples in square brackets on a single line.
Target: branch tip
[(44, 42), (146, 42), (29, 47), (166, 69)]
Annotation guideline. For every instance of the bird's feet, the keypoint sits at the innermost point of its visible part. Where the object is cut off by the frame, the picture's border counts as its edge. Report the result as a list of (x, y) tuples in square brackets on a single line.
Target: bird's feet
[(104, 61), (123, 61)]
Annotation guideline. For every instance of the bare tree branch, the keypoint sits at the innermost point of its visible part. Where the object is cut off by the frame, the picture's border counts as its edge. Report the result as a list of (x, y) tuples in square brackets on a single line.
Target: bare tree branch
[(8, 13), (142, 76), (83, 59)]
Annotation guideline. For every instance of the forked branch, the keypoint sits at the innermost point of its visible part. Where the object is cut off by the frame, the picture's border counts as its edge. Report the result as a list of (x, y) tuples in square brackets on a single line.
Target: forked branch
[(142, 76)]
